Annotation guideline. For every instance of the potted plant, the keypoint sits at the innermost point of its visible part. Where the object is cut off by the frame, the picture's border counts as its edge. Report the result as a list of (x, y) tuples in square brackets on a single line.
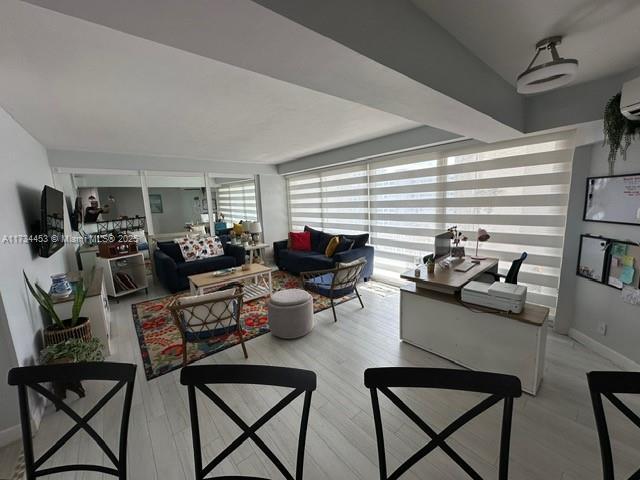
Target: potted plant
[(60, 330), (619, 131), (73, 350)]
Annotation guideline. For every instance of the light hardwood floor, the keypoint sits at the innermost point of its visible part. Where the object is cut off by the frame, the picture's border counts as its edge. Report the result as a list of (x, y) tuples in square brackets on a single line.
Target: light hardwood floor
[(553, 434)]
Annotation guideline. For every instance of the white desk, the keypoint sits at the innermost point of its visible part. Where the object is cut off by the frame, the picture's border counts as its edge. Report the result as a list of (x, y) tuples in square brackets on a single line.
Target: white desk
[(475, 337)]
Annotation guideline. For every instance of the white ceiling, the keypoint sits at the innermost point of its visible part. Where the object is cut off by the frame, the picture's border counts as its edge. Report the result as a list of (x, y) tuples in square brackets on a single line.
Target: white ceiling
[(79, 86), (602, 34)]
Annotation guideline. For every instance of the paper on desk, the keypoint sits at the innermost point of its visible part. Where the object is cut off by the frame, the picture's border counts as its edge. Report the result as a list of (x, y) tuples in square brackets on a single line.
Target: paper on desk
[(627, 274)]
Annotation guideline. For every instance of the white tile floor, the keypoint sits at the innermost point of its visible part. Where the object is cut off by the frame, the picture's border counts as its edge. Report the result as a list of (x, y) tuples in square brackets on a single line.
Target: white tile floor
[(553, 434)]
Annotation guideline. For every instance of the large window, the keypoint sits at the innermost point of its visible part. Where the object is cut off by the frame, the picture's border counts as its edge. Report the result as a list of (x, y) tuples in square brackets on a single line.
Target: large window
[(518, 191), (237, 201)]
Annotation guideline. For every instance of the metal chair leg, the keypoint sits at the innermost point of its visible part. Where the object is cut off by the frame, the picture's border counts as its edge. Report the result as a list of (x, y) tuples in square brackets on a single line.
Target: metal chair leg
[(244, 349), (333, 307), (359, 298)]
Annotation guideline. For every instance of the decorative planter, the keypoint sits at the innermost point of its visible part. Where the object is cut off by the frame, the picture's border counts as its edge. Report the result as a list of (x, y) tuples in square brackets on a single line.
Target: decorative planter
[(53, 334)]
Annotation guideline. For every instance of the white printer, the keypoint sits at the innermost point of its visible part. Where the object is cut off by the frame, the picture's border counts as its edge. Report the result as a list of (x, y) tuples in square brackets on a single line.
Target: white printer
[(496, 295)]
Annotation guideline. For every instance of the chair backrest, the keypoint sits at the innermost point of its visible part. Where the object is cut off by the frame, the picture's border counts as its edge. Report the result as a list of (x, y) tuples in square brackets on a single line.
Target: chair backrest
[(202, 313), (512, 274), (607, 384), (348, 276), (32, 377), (200, 376), (499, 387)]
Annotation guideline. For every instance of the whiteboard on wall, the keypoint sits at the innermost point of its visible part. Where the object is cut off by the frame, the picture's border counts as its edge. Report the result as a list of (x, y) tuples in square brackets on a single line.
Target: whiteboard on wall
[(613, 199)]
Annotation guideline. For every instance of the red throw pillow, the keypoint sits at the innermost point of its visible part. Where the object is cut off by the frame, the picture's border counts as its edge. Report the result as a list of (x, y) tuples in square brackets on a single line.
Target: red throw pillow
[(300, 241)]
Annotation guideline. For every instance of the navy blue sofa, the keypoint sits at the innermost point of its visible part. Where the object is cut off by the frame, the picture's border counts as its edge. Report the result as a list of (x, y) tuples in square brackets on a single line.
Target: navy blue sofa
[(351, 248), (173, 271)]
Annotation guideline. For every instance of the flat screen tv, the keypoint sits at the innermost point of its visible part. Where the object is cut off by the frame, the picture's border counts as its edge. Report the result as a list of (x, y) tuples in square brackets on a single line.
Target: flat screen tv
[(51, 221)]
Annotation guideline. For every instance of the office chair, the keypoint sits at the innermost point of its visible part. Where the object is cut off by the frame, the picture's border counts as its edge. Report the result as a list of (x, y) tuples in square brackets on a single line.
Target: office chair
[(607, 384), (512, 274), (124, 374), (499, 387), (200, 376)]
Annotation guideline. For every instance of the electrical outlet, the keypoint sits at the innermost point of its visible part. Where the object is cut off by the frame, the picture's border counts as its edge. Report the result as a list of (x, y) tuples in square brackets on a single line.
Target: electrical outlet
[(602, 328)]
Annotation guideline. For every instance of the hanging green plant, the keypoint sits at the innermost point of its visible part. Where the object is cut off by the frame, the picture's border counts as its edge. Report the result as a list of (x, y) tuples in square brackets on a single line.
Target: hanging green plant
[(619, 131)]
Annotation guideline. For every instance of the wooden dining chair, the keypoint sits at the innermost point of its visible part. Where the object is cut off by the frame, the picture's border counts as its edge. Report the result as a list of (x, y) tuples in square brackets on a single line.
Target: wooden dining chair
[(203, 317), (499, 387), (607, 385), (199, 377), (25, 378)]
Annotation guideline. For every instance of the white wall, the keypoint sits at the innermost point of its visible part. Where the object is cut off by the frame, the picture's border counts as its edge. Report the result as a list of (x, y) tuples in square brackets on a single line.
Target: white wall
[(593, 302), (273, 199), (25, 172)]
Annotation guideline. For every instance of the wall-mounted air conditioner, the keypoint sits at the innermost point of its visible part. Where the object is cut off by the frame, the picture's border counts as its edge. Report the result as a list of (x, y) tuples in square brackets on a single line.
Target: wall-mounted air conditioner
[(630, 101)]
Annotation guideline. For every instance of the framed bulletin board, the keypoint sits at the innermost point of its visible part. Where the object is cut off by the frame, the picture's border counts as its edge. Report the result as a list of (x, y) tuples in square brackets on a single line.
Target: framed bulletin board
[(615, 263)]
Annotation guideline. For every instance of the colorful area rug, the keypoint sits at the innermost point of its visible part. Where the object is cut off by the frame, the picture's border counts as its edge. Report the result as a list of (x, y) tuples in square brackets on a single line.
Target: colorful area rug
[(161, 343)]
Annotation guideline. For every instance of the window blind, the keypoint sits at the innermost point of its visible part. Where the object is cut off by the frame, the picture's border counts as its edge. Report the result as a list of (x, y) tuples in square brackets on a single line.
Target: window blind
[(237, 201), (518, 191)]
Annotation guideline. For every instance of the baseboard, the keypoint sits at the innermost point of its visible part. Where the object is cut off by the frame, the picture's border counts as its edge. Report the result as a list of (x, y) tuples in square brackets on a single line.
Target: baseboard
[(14, 433), (604, 351), (10, 435)]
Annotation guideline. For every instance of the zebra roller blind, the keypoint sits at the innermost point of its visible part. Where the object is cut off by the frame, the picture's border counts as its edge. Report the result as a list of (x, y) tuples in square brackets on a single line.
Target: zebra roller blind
[(518, 191), (237, 201)]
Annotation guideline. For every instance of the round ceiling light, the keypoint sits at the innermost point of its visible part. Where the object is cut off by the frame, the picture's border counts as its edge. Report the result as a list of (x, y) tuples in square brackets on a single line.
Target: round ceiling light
[(547, 76)]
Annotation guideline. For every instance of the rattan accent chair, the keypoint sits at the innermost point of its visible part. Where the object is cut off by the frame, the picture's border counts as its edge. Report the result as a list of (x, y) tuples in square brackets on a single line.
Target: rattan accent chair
[(335, 282), (202, 317)]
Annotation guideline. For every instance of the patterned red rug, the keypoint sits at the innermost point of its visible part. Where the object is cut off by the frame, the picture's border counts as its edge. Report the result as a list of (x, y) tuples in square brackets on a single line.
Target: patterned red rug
[(161, 343)]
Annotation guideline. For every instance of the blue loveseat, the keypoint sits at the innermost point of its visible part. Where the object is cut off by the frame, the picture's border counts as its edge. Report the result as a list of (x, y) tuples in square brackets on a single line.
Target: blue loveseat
[(173, 271), (351, 248)]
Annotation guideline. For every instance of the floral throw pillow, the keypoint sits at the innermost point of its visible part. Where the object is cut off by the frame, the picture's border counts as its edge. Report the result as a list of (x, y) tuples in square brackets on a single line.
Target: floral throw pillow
[(198, 248)]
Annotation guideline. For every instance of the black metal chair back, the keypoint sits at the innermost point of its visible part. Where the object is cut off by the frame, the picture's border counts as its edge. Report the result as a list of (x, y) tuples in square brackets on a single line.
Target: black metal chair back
[(514, 269), (607, 384), (499, 387), (32, 377), (200, 376)]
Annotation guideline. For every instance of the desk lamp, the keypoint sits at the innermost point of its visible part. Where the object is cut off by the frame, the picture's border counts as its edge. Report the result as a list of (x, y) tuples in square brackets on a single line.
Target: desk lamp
[(482, 236)]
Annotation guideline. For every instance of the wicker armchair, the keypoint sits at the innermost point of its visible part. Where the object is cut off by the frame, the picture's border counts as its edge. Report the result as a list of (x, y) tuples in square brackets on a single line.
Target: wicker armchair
[(202, 317), (335, 282)]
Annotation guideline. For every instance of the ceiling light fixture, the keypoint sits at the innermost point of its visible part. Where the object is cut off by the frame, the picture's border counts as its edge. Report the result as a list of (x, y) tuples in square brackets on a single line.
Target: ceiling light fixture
[(547, 76)]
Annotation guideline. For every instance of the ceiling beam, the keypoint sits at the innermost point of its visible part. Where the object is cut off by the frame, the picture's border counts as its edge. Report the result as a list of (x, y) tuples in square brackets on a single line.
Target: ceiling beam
[(389, 144), (413, 68)]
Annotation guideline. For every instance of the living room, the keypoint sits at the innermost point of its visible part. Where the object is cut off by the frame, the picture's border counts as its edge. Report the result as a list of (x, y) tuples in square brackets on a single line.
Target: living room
[(260, 203)]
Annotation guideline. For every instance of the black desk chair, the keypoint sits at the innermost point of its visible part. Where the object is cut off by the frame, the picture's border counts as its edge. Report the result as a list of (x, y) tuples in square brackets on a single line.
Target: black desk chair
[(198, 377), (500, 387), (31, 377), (607, 384), (512, 274)]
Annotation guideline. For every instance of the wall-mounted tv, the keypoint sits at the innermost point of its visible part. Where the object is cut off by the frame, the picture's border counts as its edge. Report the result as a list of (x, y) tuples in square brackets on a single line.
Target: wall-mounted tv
[(614, 199), (51, 222)]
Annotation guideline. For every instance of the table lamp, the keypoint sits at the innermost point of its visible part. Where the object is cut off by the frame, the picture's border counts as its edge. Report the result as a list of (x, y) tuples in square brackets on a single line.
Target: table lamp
[(482, 236), (255, 229)]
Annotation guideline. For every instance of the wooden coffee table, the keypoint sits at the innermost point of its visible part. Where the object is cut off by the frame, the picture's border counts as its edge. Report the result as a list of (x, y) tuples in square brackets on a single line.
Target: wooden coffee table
[(257, 281)]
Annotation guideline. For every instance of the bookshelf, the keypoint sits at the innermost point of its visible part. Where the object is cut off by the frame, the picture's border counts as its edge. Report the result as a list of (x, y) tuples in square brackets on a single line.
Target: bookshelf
[(124, 274)]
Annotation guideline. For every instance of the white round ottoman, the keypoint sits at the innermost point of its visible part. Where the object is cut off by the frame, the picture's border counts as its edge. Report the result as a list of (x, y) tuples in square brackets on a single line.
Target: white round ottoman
[(291, 313)]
